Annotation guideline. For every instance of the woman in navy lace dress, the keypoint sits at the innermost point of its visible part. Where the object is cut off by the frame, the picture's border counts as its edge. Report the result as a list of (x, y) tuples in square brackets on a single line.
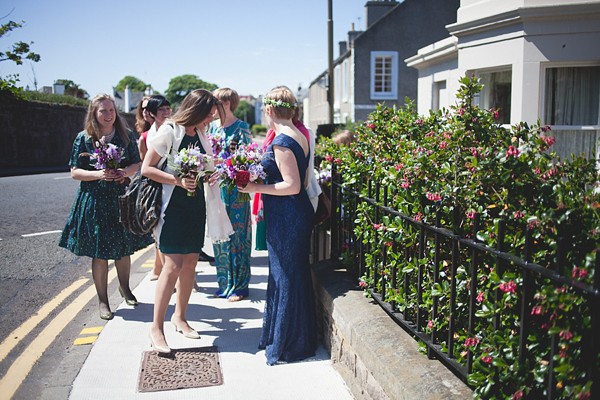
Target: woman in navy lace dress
[(289, 322)]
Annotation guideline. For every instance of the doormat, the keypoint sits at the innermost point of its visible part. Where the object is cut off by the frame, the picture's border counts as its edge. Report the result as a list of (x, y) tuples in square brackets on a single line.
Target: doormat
[(181, 369)]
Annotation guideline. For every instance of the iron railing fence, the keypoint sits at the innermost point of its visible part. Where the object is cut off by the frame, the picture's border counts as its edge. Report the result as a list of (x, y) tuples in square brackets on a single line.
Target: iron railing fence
[(444, 243)]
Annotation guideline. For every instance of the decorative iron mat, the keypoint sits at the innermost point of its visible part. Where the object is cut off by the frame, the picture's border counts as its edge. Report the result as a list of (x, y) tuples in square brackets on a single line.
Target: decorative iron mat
[(181, 369)]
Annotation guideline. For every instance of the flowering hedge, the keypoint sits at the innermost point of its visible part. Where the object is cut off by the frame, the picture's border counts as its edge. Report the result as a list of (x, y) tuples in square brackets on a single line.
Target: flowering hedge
[(462, 159)]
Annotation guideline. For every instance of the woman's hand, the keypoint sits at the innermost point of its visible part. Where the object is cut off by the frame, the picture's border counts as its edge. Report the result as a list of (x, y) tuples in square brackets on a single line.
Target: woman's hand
[(213, 178), (120, 175), (187, 183), (250, 187), (108, 175)]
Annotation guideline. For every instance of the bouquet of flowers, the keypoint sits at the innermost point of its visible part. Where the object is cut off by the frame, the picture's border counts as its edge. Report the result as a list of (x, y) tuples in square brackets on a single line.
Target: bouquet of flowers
[(242, 167), (217, 143), (107, 155), (190, 163)]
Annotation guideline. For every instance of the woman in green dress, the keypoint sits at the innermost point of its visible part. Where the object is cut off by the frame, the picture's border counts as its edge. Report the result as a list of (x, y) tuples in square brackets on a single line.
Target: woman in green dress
[(233, 257), (93, 227), (180, 230)]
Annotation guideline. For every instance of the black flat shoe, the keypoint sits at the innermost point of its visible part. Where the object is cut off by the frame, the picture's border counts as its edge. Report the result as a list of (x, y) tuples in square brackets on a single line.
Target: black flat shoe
[(130, 302), (205, 257)]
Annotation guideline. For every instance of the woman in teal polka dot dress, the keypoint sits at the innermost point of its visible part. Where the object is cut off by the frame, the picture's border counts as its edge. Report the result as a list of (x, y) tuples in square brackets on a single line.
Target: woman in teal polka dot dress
[(93, 227)]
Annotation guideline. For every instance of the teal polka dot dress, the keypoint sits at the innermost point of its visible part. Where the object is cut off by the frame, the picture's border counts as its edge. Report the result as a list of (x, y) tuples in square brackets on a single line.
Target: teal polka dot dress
[(93, 227)]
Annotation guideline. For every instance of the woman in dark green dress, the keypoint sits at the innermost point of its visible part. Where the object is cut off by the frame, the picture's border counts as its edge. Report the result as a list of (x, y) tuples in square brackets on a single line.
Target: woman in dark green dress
[(93, 228), (180, 230)]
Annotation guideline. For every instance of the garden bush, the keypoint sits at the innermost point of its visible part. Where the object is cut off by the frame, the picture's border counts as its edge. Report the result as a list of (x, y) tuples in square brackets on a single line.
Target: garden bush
[(460, 161)]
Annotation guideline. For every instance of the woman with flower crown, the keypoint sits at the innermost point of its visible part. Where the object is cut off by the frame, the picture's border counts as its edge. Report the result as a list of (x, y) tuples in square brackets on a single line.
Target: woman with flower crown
[(233, 258), (93, 227), (289, 323), (181, 227)]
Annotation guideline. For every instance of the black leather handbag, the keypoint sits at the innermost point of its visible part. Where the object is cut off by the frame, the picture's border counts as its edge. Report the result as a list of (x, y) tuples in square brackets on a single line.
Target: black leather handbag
[(140, 206)]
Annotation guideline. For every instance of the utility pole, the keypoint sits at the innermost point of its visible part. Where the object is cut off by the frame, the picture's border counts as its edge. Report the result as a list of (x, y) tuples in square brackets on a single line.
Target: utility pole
[(330, 52)]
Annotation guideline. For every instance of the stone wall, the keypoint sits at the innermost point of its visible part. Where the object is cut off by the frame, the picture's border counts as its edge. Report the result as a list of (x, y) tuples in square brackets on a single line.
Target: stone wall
[(377, 358), (38, 137)]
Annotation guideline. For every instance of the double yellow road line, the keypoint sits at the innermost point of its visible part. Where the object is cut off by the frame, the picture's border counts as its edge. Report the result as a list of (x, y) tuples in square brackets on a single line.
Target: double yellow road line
[(21, 367)]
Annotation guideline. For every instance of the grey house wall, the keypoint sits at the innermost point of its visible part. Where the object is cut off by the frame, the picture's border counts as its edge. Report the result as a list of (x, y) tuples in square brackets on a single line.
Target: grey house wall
[(406, 28)]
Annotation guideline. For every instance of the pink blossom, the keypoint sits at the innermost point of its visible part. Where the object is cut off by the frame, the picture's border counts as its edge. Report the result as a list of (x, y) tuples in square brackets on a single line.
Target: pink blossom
[(362, 284), (566, 335), (405, 185), (509, 287), (389, 244), (338, 161), (419, 216), (329, 158), (471, 214), (419, 121), (545, 128), (480, 297), (584, 395), (517, 395), (518, 214), (472, 342), (430, 324), (376, 226), (579, 273), (461, 111), (398, 167), (487, 359), (512, 151), (534, 224), (433, 196), (536, 310), (443, 145), (446, 135), (371, 126)]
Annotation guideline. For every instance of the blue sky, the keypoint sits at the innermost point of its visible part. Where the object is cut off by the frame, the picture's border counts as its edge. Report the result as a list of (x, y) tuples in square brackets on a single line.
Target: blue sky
[(250, 46)]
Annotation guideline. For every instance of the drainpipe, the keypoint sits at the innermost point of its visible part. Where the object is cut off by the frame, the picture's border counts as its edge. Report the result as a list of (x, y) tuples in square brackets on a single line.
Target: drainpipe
[(330, 52)]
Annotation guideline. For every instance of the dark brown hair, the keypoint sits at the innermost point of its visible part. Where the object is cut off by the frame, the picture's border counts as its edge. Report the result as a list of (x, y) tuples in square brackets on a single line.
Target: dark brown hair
[(196, 106)]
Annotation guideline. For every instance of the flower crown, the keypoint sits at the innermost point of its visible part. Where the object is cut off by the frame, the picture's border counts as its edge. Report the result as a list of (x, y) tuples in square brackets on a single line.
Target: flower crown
[(278, 103)]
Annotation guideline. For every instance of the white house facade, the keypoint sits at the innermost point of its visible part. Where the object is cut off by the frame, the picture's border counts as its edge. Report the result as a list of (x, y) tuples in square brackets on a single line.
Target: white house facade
[(537, 59)]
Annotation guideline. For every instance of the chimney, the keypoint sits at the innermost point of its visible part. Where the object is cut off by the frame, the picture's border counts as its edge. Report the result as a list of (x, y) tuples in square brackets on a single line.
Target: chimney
[(376, 9), (343, 47)]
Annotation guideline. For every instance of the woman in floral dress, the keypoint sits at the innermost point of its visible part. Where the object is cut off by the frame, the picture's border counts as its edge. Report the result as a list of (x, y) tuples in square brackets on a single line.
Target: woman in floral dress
[(233, 257), (93, 228)]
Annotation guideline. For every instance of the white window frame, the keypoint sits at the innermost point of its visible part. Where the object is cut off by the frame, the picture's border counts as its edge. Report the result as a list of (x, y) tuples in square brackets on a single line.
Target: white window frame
[(542, 105), (337, 74), (393, 95)]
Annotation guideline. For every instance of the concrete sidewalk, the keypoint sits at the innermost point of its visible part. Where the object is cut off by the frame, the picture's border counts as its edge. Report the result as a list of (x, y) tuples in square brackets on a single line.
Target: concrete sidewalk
[(112, 368)]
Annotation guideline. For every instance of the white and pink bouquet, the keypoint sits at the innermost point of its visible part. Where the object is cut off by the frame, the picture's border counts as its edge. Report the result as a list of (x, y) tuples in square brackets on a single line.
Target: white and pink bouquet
[(190, 162), (242, 167)]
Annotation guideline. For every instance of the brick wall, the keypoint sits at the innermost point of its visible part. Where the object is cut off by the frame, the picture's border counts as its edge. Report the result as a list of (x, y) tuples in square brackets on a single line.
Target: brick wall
[(38, 137)]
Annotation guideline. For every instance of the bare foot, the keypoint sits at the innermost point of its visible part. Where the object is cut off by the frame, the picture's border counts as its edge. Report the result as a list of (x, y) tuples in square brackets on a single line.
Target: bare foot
[(234, 298), (153, 277), (196, 288)]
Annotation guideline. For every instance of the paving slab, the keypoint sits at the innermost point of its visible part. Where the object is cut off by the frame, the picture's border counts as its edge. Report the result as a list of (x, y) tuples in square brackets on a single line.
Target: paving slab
[(112, 368)]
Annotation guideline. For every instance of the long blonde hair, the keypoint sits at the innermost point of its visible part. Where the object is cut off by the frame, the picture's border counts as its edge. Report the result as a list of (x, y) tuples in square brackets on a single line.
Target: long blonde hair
[(196, 106), (91, 125), (284, 94)]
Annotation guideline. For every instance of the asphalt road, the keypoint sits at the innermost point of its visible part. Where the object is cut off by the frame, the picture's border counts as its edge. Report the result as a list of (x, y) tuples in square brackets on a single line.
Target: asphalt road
[(33, 272)]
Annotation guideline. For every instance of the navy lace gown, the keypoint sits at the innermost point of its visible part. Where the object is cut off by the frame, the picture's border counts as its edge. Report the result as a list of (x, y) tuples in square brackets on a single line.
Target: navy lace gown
[(289, 322)]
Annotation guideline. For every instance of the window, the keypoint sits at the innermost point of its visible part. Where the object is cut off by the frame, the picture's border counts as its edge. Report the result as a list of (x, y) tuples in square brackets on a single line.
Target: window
[(572, 96), (384, 75), (440, 95), (337, 86), (345, 81), (496, 93)]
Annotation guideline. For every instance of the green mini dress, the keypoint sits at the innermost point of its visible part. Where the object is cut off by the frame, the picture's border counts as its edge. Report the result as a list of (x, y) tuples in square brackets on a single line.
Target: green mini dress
[(185, 216)]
